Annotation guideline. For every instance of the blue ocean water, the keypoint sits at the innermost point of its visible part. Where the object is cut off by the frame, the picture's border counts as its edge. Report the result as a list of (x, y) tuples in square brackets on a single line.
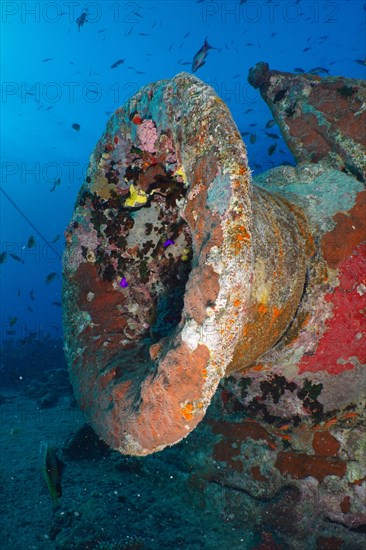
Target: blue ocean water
[(62, 77)]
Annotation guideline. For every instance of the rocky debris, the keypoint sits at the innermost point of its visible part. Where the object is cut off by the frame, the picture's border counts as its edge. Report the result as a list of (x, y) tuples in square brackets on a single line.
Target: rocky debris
[(320, 118)]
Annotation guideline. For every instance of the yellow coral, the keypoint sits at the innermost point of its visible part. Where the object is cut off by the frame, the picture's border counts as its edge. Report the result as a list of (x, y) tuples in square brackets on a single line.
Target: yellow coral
[(137, 197), (181, 172)]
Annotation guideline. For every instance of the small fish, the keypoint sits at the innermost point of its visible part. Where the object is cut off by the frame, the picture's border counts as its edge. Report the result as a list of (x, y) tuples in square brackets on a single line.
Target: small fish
[(285, 437), (31, 242), (252, 138), (307, 49), (55, 184), (31, 294), (116, 63), (350, 415), (50, 277), (272, 135), (272, 148), (168, 242), (52, 468), (47, 59), (82, 19), (244, 134), (76, 126), (12, 321), (284, 427), (330, 423), (58, 304), (299, 70), (16, 258), (270, 123), (318, 71), (200, 56), (29, 309), (361, 62), (248, 111), (57, 238), (3, 257)]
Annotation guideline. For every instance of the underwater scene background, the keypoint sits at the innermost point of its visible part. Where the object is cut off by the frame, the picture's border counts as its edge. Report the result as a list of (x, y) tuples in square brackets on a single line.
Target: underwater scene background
[(66, 66)]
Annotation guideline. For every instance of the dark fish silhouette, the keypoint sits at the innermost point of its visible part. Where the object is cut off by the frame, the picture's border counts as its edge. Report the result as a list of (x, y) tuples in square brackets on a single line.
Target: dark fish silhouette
[(76, 126), (318, 71), (270, 123), (16, 258), (31, 242), (82, 19), (55, 184), (272, 148), (116, 63), (50, 277), (52, 468), (200, 56)]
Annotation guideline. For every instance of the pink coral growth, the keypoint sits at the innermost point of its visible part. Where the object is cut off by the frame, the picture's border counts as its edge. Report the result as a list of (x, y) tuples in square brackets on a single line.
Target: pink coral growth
[(147, 135)]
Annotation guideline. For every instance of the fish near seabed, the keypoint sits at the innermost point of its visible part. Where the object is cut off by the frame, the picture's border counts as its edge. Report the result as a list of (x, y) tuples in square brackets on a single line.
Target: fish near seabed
[(52, 468), (199, 58)]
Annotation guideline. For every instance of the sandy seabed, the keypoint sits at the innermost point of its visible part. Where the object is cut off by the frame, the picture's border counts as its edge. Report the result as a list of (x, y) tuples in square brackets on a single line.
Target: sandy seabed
[(108, 501)]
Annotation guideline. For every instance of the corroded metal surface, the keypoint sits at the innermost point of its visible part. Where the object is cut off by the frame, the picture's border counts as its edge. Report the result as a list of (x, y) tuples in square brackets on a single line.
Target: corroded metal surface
[(177, 270), (299, 408), (320, 118)]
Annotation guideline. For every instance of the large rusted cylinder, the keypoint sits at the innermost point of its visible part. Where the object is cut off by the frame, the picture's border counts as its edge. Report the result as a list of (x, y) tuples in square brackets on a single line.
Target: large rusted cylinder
[(177, 270)]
